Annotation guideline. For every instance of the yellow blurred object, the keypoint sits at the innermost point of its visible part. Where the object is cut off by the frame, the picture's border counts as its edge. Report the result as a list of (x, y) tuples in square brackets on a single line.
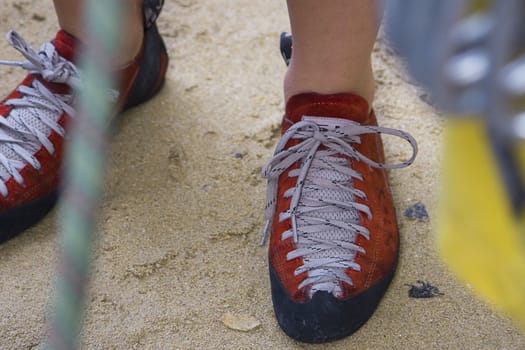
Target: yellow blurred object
[(479, 235)]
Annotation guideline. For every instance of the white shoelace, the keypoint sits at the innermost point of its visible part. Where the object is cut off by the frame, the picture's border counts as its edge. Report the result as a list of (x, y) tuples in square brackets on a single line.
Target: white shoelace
[(36, 113), (323, 210)]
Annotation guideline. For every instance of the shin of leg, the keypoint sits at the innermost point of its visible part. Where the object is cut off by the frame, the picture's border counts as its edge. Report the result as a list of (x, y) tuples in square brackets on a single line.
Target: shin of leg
[(332, 44), (70, 19)]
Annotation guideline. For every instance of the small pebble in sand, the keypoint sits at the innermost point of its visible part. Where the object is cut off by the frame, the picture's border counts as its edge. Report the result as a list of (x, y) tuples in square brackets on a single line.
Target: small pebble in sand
[(417, 212), (240, 322), (38, 17)]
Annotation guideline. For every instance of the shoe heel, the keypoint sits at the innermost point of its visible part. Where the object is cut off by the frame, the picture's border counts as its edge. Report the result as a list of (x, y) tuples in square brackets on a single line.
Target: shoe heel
[(152, 69)]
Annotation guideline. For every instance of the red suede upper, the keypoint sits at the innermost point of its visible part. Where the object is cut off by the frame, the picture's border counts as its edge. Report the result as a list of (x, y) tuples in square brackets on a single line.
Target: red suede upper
[(42, 182), (38, 183), (66, 45), (382, 248)]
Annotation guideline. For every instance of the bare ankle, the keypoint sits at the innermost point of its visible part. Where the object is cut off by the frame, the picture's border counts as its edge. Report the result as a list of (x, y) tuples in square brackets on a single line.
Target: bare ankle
[(131, 43), (70, 17), (330, 80)]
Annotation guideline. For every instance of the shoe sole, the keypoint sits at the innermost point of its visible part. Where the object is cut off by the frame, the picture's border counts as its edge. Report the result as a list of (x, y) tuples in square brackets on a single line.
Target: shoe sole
[(149, 81)]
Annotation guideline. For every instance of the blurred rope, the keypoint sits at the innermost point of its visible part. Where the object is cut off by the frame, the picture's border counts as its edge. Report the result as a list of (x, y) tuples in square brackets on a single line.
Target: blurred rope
[(84, 169)]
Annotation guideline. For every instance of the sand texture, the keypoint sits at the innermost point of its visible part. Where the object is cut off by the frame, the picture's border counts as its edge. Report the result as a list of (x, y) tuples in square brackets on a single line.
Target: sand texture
[(178, 250)]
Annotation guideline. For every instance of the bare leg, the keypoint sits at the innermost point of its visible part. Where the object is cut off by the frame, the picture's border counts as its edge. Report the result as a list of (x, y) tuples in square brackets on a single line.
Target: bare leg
[(332, 43), (69, 13)]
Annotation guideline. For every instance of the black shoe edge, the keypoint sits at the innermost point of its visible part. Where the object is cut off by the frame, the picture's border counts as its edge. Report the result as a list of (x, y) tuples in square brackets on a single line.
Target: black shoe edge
[(20, 218), (152, 69), (325, 318)]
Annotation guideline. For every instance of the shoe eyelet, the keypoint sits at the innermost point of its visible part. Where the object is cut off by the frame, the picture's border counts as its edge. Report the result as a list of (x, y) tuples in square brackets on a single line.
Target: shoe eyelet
[(37, 166)]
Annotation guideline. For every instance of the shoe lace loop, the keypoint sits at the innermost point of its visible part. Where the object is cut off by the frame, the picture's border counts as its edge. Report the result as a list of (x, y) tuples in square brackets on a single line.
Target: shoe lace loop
[(47, 62), (323, 198), (20, 138)]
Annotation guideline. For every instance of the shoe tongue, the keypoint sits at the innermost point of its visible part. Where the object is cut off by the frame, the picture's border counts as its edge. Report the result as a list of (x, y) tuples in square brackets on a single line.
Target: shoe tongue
[(66, 44), (346, 106)]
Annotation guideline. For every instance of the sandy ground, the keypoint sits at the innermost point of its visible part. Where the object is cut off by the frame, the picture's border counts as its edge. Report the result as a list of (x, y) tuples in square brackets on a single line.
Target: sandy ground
[(182, 215)]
